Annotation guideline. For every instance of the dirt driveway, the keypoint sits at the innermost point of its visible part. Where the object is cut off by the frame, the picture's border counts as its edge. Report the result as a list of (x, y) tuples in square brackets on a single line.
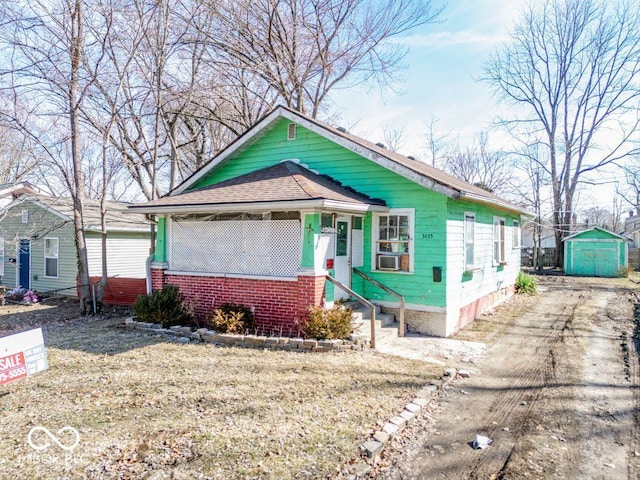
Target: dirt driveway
[(557, 392)]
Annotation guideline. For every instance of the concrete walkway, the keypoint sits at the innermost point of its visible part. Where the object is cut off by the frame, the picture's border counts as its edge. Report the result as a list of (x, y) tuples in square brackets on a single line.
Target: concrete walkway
[(440, 351)]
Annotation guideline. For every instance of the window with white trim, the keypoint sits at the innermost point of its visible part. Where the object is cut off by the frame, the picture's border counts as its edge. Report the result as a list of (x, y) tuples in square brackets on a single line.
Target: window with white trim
[(469, 240), (498, 240), (51, 257), (393, 238), (25, 215), (516, 234)]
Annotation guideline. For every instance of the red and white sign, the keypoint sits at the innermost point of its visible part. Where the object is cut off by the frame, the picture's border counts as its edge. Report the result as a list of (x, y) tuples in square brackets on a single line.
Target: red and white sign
[(21, 355)]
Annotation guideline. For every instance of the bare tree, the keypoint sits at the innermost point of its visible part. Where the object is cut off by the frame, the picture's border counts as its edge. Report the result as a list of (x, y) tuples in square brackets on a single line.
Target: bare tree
[(394, 137), (479, 165), (437, 142), (46, 43), (572, 68), (630, 192), (304, 49)]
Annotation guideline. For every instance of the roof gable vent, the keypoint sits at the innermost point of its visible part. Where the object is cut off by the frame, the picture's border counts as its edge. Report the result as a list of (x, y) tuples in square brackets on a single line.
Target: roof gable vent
[(291, 131)]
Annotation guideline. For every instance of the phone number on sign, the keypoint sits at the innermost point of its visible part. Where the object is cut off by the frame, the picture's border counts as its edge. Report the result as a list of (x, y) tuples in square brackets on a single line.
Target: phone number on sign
[(15, 373)]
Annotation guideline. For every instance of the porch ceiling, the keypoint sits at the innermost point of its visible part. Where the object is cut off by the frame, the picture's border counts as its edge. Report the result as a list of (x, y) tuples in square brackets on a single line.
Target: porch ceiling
[(284, 184)]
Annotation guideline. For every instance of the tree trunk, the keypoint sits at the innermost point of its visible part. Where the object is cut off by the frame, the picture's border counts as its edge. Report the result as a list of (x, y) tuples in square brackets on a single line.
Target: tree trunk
[(78, 177)]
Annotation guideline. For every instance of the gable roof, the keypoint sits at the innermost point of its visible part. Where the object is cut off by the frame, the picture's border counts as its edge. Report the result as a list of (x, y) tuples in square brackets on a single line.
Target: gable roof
[(414, 170), (600, 229), (117, 217), (286, 184)]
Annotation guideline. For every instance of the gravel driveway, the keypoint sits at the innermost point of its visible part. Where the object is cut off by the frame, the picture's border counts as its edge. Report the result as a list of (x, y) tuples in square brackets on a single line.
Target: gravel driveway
[(557, 392)]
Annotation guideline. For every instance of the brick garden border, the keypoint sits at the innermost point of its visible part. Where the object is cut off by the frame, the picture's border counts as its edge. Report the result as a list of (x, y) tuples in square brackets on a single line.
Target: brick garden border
[(187, 335)]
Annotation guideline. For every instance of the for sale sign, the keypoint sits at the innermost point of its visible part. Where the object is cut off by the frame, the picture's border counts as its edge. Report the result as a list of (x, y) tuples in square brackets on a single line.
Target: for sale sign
[(22, 354)]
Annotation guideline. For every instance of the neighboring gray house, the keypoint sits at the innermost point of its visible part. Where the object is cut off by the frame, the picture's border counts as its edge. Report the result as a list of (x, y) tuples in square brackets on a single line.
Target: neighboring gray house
[(37, 247), (632, 228)]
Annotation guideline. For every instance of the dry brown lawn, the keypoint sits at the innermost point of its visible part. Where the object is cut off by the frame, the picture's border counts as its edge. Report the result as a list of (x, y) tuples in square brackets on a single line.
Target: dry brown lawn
[(148, 408)]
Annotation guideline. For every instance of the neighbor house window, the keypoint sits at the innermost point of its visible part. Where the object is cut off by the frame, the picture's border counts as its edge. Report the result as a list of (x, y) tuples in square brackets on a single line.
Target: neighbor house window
[(393, 236), (516, 234), (498, 240), (51, 257), (469, 239), (1, 256), (25, 216)]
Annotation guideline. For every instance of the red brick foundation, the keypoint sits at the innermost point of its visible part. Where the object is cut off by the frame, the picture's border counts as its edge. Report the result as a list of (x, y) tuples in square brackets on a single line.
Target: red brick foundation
[(472, 311), (279, 305), (122, 291)]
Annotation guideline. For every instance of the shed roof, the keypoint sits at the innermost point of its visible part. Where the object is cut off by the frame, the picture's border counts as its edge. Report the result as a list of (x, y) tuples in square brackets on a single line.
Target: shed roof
[(118, 217), (417, 171), (604, 231), (284, 183)]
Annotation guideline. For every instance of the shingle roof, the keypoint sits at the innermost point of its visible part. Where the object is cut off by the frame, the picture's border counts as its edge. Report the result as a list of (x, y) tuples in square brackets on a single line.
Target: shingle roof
[(284, 182), (118, 217), (420, 172)]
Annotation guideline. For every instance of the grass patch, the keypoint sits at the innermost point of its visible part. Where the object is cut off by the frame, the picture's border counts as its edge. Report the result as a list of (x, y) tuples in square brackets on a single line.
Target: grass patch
[(142, 405)]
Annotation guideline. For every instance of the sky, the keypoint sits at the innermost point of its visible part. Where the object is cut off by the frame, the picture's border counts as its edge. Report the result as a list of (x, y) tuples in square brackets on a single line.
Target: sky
[(442, 81)]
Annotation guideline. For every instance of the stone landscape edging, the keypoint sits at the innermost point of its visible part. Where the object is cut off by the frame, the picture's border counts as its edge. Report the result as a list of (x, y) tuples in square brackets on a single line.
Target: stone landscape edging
[(186, 335)]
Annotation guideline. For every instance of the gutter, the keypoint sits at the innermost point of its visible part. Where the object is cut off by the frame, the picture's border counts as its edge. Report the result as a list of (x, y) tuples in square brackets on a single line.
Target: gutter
[(474, 197)]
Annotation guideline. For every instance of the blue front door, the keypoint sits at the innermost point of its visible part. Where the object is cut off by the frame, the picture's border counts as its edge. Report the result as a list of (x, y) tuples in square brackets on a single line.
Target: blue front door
[(24, 273)]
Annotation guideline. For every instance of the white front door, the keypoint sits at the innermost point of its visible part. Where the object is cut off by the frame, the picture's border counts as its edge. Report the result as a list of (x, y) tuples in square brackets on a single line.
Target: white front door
[(342, 260)]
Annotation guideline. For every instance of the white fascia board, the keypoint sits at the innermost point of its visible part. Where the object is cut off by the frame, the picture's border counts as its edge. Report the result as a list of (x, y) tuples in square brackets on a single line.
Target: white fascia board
[(98, 229), (280, 112), (475, 198), (260, 206), (371, 155), (254, 132), (37, 203)]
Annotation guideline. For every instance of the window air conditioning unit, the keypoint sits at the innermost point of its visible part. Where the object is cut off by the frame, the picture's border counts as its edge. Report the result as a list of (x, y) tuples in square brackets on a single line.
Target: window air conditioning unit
[(388, 262)]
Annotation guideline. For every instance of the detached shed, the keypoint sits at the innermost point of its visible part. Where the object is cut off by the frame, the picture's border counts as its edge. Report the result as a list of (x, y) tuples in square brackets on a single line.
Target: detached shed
[(595, 252)]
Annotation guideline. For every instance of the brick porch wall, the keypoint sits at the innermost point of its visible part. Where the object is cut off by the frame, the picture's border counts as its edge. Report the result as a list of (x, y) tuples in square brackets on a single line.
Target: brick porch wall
[(279, 305)]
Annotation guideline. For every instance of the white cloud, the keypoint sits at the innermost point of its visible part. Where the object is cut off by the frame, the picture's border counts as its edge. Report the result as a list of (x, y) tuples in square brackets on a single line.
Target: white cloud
[(446, 39)]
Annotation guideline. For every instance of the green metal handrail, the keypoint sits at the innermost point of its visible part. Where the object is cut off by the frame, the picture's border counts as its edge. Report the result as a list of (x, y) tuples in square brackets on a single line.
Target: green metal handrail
[(390, 292), (362, 300)]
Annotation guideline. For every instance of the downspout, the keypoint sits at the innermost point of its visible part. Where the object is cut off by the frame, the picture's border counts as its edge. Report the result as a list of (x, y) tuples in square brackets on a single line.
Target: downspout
[(149, 259)]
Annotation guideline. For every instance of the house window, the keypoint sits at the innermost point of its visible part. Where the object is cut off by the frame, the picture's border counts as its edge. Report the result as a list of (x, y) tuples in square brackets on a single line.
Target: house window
[(393, 237), (291, 131), (25, 216), (50, 257), (1, 256), (469, 239), (498, 240), (516, 234)]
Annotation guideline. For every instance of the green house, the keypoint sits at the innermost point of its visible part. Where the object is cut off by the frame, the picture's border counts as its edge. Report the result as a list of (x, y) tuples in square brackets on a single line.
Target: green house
[(595, 252), (37, 247), (294, 200)]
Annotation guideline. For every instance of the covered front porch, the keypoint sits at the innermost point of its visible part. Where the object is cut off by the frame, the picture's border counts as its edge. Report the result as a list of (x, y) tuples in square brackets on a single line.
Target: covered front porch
[(269, 245)]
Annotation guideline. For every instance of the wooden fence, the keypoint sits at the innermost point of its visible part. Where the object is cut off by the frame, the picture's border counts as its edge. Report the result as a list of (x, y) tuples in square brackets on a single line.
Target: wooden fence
[(548, 257), (634, 258)]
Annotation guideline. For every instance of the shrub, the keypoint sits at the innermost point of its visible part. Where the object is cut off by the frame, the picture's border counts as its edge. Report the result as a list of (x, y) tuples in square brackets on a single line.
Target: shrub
[(625, 271), (232, 318), (526, 284), (328, 324), (166, 306)]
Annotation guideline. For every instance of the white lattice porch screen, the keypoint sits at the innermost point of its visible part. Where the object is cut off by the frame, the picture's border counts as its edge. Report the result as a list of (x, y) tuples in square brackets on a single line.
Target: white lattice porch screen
[(252, 247)]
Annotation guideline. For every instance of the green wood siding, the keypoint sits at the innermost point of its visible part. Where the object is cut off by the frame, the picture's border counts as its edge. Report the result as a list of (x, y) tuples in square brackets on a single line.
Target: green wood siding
[(41, 223), (352, 170), (595, 253)]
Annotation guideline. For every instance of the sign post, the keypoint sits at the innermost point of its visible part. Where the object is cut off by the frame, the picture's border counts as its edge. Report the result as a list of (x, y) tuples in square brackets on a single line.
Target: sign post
[(21, 355)]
